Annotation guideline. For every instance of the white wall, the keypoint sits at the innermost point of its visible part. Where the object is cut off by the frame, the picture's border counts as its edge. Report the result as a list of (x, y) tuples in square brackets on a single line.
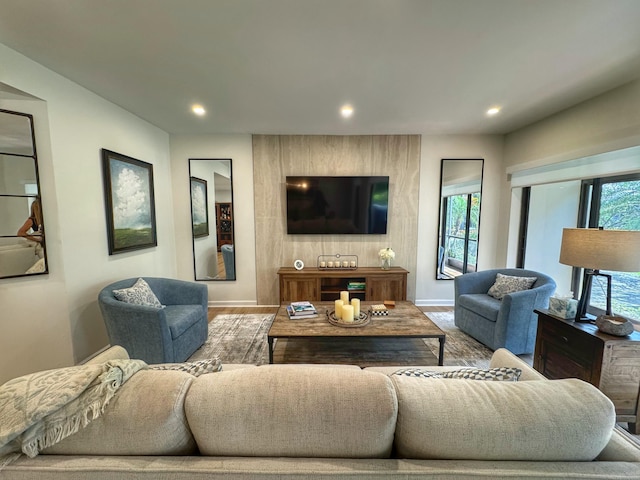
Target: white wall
[(54, 320), (238, 148), (606, 123), (434, 148)]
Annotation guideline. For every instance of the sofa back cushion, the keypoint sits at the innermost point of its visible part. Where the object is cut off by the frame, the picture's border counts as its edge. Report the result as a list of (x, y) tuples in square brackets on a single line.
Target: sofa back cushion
[(293, 411), (556, 420), (145, 417)]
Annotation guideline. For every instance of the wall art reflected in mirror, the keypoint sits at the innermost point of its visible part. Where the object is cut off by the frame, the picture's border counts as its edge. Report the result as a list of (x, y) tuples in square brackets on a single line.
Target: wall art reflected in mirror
[(22, 239), (212, 229), (459, 225)]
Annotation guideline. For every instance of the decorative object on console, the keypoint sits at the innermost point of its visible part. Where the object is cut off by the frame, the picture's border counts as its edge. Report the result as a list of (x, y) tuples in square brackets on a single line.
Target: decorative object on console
[(337, 261), (563, 306), (386, 255), (298, 264), (596, 249), (618, 326)]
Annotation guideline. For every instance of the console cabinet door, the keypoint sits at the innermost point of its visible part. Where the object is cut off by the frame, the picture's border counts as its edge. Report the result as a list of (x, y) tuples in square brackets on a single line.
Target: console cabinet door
[(296, 289), (388, 287)]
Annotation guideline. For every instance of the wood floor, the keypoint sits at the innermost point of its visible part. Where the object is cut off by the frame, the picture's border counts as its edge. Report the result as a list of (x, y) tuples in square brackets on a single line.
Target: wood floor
[(213, 311)]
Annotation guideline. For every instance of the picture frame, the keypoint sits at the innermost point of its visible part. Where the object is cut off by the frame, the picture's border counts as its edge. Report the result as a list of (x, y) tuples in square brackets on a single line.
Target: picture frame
[(199, 207), (129, 203)]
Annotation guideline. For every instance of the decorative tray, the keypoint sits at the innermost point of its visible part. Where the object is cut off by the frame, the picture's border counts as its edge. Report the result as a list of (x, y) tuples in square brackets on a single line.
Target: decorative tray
[(361, 321)]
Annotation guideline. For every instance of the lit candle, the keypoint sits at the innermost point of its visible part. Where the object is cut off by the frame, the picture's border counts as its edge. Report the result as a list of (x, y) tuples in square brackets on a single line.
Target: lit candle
[(355, 303), (323, 264), (347, 313), (330, 264), (338, 309), (345, 264), (344, 296), (353, 264)]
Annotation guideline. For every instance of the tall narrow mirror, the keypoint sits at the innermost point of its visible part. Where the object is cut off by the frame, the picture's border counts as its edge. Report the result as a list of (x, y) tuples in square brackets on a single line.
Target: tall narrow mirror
[(212, 219), (22, 240), (459, 225)]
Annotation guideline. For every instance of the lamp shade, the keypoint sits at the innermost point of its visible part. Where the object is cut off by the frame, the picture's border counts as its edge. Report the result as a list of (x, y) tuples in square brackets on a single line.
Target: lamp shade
[(596, 249)]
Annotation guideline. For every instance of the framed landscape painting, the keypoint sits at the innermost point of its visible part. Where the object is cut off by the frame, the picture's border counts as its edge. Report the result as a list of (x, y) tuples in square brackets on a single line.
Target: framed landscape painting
[(129, 202), (199, 207)]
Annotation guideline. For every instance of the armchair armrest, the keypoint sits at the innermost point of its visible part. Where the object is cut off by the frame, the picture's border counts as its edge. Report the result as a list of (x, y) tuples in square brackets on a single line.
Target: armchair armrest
[(477, 282), (141, 330), (172, 291)]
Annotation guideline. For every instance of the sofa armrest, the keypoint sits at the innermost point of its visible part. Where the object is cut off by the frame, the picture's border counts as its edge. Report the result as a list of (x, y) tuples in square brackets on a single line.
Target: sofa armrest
[(504, 358)]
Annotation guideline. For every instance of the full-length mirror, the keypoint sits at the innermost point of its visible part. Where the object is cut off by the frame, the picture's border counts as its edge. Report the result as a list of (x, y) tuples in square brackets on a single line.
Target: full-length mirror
[(459, 225), (212, 219), (22, 240)]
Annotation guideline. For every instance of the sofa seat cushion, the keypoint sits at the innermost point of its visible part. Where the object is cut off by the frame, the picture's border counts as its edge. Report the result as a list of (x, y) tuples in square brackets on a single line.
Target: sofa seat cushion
[(293, 411), (482, 304), (556, 420), (145, 417), (181, 318)]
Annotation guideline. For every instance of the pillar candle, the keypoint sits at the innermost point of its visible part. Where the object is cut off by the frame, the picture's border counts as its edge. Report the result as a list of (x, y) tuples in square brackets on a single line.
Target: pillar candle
[(347, 313), (355, 303), (344, 296), (338, 309)]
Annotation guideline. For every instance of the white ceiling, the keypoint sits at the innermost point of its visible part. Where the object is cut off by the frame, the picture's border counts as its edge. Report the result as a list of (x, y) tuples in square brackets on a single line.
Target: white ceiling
[(286, 66)]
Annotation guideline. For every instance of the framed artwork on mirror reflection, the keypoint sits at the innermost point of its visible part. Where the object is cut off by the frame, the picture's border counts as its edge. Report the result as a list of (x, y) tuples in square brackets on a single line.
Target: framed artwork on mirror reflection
[(199, 207), (129, 203)]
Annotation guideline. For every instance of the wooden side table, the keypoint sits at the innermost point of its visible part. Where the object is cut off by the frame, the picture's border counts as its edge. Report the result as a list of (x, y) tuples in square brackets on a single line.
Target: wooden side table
[(568, 349)]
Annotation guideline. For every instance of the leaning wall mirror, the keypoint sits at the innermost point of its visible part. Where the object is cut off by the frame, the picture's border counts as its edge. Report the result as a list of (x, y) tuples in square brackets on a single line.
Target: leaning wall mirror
[(459, 225), (22, 240), (212, 219)]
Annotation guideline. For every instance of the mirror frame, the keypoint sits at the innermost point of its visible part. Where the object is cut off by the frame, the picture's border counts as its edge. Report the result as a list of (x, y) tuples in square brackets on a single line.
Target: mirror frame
[(471, 178), (33, 156), (215, 222)]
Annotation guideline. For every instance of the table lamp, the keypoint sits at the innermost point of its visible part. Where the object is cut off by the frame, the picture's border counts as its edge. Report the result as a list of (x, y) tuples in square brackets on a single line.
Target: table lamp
[(596, 249)]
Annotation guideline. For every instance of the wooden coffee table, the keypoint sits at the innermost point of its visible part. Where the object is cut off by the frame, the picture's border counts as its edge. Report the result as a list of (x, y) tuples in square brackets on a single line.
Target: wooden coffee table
[(404, 321)]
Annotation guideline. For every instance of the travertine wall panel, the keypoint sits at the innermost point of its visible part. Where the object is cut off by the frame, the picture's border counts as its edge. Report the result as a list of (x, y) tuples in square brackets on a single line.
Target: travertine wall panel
[(275, 157)]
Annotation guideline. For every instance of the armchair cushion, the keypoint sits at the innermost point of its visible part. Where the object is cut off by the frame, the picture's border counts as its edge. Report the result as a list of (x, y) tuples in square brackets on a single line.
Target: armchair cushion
[(506, 284), (181, 318), (139, 294), (481, 304)]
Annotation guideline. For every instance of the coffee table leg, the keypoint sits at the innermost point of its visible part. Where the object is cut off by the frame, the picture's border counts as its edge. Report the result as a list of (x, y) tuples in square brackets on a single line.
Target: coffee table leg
[(270, 342), (441, 352)]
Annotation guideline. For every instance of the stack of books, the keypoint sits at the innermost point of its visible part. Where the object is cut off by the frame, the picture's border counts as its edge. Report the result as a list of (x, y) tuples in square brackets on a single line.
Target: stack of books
[(300, 310), (356, 285)]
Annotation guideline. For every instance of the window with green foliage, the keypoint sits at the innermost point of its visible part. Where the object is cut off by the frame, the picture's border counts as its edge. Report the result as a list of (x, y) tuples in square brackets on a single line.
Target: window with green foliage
[(614, 204)]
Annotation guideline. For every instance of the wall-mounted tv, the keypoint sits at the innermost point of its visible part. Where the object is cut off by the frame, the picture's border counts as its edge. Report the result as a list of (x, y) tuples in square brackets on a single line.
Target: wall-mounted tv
[(337, 205)]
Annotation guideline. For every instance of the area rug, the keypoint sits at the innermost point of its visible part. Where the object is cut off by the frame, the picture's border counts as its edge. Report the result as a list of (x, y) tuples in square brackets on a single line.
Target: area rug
[(460, 348), (237, 339), (243, 339)]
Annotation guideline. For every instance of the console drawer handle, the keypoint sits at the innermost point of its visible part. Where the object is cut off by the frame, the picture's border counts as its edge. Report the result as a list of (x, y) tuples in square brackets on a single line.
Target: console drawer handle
[(565, 339)]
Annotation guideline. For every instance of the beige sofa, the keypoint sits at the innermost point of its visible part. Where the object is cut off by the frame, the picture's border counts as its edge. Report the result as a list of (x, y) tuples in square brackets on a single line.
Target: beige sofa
[(320, 422)]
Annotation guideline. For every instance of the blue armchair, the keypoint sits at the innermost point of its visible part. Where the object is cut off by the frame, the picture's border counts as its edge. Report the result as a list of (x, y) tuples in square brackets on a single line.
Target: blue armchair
[(157, 335), (508, 323)]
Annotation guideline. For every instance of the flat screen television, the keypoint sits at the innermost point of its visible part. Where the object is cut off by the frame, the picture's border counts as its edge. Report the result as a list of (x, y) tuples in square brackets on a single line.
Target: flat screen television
[(337, 205)]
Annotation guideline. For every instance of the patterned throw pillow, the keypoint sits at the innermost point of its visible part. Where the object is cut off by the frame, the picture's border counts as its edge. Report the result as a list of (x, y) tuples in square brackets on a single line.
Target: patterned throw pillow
[(139, 294), (194, 368), (506, 284), (499, 374)]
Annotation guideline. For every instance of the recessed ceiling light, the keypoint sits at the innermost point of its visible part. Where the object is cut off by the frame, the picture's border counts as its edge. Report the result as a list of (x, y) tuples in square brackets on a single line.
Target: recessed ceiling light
[(493, 111), (346, 111), (198, 110)]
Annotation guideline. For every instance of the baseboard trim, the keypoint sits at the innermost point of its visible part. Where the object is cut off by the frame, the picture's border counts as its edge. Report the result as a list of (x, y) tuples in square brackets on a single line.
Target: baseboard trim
[(434, 303)]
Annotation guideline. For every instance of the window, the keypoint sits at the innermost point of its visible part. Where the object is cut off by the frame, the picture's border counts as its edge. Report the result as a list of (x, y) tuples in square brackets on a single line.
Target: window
[(613, 203)]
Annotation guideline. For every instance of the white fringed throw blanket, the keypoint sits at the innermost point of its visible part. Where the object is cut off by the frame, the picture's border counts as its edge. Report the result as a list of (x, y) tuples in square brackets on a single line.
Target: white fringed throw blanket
[(40, 409)]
